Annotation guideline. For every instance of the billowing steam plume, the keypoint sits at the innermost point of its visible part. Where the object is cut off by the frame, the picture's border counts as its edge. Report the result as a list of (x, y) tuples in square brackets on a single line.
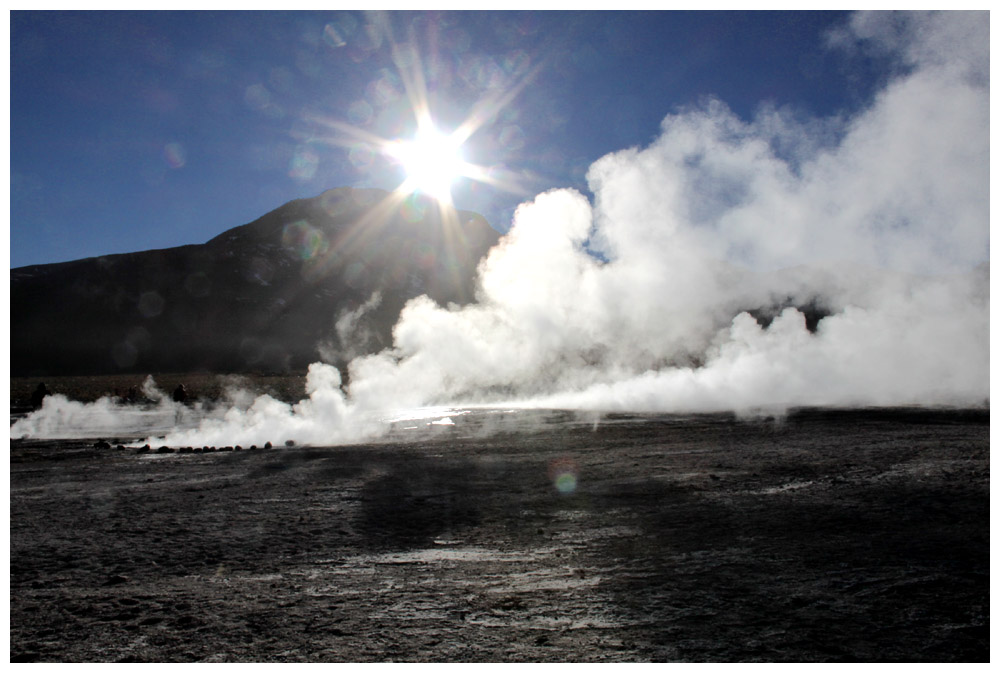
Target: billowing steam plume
[(731, 265)]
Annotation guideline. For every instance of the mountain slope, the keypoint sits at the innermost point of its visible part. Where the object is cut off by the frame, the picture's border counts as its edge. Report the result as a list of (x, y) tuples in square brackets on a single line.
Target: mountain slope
[(316, 278)]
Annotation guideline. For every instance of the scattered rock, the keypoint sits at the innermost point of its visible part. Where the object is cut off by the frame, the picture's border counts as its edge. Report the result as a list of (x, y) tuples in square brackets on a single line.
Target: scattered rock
[(186, 622), (114, 580), (268, 445), (101, 444), (290, 442)]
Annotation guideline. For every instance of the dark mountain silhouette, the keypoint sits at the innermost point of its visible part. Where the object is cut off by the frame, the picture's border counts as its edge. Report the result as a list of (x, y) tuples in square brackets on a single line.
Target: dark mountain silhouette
[(320, 278)]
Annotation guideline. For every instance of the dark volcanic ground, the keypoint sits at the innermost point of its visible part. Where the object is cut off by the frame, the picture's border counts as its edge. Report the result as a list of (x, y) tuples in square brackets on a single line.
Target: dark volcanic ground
[(831, 536)]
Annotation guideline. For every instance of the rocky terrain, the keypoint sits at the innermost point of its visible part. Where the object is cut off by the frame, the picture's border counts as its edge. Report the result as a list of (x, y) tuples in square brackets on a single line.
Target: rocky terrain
[(536, 536)]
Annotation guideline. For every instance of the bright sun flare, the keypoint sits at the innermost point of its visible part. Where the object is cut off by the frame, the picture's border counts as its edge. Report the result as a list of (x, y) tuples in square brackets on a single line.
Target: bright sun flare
[(432, 161)]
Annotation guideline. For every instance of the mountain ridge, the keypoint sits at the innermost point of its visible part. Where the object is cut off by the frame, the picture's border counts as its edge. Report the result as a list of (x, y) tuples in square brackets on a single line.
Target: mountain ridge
[(263, 296)]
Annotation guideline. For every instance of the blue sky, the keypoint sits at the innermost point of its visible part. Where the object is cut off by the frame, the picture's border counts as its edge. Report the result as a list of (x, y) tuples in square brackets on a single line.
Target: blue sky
[(138, 130)]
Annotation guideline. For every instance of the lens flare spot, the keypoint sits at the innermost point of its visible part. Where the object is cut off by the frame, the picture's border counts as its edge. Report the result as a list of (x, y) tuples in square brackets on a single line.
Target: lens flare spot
[(384, 90), (355, 275), (331, 36), (197, 284), (360, 113), (257, 96), (335, 203), (563, 472), (303, 164), (302, 240), (174, 155), (361, 156), (424, 256), (481, 72), (413, 209), (566, 482), (124, 354), (150, 304), (512, 137)]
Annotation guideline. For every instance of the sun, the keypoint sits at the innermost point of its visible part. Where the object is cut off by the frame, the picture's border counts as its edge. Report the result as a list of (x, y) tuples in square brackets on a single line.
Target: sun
[(432, 161)]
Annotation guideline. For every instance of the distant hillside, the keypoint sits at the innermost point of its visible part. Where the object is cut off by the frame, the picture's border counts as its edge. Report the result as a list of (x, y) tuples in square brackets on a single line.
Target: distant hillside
[(320, 278)]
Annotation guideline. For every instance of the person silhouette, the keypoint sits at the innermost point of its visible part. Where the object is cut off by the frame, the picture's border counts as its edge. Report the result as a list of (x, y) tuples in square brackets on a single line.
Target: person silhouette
[(36, 397)]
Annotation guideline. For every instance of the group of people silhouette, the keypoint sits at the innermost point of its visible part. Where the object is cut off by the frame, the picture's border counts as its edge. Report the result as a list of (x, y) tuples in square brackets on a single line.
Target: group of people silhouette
[(180, 395)]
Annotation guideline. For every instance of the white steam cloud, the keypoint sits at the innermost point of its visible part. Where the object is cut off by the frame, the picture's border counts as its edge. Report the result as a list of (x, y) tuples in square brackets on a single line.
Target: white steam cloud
[(63, 418), (639, 300)]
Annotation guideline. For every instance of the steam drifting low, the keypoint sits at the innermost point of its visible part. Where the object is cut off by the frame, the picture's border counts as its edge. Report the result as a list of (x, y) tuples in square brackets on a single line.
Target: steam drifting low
[(685, 283)]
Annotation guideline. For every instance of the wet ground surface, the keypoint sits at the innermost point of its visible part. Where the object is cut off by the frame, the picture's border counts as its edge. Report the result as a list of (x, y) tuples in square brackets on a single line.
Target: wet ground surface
[(831, 536)]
